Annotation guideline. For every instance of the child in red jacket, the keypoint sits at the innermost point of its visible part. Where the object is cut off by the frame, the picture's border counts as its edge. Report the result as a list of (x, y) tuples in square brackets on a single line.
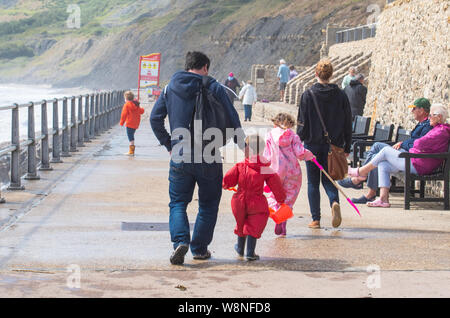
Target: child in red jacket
[(249, 205), (131, 115)]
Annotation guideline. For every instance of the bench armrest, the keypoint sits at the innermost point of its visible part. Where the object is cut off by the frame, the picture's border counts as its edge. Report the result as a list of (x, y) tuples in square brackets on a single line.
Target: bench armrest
[(365, 143), (442, 155), (362, 137)]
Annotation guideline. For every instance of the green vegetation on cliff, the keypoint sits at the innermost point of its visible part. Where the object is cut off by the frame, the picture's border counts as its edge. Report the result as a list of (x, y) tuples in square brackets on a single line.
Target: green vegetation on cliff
[(113, 33)]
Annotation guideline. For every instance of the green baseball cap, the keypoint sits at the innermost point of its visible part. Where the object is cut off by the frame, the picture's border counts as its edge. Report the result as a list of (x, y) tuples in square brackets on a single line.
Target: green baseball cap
[(422, 103)]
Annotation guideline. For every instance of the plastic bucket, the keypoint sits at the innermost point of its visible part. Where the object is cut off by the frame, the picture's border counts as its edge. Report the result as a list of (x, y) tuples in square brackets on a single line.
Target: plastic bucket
[(282, 214)]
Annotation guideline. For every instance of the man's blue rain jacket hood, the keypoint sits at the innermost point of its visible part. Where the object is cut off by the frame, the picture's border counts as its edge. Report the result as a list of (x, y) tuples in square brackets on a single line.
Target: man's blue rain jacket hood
[(178, 101)]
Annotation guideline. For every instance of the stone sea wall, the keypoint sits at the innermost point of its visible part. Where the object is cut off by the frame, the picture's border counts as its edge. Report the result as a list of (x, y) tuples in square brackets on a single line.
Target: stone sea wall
[(352, 48), (266, 82), (410, 60)]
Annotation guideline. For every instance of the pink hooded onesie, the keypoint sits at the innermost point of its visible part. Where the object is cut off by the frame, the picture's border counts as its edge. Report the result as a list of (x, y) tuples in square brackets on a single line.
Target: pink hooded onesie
[(284, 148)]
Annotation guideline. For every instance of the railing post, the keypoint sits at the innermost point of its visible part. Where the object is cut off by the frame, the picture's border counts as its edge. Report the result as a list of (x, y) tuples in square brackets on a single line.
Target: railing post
[(73, 126), (108, 107), (99, 114), (15, 154), (115, 102), (45, 160), (116, 107), (87, 120), (117, 111), (111, 104), (112, 107), (32, 166), (80, 122), (102, 112), (56, 143), (65, 131), (92, 118), (121, 102), (97, 117), (105, 112)]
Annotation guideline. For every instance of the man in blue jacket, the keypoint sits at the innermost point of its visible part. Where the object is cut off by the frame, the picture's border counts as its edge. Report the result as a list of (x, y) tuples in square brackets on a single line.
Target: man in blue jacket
[(421, 111), (178, 102), (283, 75)]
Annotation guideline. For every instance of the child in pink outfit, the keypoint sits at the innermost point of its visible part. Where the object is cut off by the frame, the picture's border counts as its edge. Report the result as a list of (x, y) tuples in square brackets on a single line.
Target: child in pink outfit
[(284, 149)]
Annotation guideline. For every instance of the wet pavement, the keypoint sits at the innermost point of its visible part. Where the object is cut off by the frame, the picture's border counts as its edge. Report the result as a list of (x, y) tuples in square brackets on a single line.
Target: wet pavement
[(101, 219)]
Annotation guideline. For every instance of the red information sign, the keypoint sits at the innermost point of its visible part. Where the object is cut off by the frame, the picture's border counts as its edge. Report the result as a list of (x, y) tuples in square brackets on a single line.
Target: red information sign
[(149, 68)]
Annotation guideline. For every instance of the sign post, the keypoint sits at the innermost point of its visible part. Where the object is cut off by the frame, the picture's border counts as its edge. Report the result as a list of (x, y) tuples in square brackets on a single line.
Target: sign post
[(149, 68)]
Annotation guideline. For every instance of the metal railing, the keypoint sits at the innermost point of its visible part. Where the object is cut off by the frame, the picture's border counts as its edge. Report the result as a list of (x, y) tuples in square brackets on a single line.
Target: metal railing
[(90, 115), (357, 33)]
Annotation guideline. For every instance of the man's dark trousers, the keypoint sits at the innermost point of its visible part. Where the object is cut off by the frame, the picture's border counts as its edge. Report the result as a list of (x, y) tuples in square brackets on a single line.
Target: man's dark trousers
[(183, 177)]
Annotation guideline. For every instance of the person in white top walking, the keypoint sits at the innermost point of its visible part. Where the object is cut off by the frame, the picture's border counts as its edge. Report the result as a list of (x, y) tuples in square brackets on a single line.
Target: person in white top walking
[(248, 97)]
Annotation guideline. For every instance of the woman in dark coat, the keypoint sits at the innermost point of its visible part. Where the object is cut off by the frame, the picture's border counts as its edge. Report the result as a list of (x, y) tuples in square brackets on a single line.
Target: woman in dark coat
[(335, 110), (232, 83), (356, 93)]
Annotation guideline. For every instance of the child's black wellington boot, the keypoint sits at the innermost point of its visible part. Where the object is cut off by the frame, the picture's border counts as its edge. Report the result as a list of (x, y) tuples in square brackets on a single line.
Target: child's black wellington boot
[(251, 245), (239, 247)]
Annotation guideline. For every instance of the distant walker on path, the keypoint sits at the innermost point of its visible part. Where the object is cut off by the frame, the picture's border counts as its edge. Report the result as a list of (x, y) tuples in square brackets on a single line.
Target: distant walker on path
[(349, 77), (283, 75), (249, 97), (131, 118), (356, 93), (232, 83)]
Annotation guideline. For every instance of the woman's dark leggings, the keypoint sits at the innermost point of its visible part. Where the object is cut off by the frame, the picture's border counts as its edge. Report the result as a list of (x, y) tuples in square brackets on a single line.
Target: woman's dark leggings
[(313, 173)]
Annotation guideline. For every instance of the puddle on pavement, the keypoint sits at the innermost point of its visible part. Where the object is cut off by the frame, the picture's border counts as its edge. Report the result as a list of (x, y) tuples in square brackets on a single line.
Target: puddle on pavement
[(5, 279), (360, 233)]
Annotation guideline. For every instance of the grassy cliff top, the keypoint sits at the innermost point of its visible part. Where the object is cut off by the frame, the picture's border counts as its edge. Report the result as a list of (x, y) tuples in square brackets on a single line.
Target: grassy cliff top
[(36, 39)]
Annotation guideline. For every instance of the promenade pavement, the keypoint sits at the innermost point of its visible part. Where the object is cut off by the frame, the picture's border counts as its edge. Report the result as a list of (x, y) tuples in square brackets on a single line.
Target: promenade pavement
[(97, 226)]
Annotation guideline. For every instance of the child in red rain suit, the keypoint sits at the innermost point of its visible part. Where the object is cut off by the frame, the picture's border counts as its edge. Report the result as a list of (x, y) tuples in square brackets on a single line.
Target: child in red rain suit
[(249, 205)]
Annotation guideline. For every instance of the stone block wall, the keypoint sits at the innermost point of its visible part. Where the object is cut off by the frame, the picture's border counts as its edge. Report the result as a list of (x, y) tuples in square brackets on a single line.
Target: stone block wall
[(266, 82), (416, 61), (352, 48), (267, 111), (410, 60)]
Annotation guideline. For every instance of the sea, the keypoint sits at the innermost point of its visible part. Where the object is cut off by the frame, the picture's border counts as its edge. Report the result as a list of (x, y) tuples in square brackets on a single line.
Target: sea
[(22, 94)]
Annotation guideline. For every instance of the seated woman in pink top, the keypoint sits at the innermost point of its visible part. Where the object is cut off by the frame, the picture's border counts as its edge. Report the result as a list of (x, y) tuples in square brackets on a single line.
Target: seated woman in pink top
[(387, 160)]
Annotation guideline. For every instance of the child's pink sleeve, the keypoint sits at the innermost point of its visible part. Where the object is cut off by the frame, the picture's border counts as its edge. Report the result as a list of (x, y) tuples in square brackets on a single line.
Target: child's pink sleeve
[(300, 152), (231, 178), (274, 183), (268, 150)]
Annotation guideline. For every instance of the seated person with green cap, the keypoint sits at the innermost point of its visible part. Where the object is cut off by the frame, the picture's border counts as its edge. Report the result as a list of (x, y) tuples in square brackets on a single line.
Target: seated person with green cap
[(421, 110)]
